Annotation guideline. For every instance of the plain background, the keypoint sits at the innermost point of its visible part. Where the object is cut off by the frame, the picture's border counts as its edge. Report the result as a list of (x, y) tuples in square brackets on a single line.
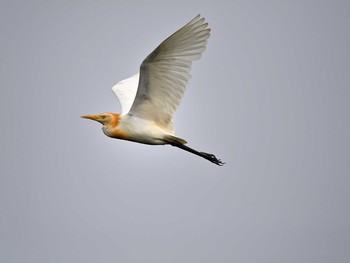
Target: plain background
[(270, 96)]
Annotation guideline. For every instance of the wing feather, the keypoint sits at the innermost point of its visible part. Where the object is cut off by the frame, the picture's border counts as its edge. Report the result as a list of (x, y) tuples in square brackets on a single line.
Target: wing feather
[(165, 72), (125, 91)]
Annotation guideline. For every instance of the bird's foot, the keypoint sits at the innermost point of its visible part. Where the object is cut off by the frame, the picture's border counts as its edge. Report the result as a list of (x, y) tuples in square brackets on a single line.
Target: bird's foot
[(212, 158)]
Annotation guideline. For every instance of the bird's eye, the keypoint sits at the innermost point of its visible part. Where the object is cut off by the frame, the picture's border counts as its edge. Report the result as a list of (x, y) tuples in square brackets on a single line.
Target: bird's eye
[(103, 116)]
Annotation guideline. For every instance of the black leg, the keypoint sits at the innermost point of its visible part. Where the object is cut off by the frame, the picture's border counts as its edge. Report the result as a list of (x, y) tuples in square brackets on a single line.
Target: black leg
[(208, 156)]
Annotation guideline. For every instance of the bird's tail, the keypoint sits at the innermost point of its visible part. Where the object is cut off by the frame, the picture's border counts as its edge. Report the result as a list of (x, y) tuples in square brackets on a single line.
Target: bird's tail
[(173, 139)]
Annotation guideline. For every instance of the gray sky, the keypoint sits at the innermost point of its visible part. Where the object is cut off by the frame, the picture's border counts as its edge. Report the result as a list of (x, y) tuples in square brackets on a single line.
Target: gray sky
[(270, 97)]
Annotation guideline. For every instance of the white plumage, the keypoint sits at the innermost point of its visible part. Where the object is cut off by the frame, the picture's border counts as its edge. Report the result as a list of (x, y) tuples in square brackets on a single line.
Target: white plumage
[(164, 75), (125, 91)]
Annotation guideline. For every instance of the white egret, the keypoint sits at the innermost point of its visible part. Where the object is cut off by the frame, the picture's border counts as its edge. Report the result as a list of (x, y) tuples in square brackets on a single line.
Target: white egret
[(150, 98)]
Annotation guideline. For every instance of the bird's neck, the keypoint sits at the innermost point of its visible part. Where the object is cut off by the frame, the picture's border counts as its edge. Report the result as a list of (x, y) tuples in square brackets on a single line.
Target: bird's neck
[(111, 128), (115, 120)]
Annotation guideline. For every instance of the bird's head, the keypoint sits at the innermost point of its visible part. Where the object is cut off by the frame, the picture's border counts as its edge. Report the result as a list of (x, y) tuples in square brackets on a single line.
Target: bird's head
[(105, 118), (109, 121)]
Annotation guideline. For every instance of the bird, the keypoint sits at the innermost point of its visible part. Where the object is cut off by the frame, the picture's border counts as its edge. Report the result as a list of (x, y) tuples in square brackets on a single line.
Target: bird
[(149, 98)]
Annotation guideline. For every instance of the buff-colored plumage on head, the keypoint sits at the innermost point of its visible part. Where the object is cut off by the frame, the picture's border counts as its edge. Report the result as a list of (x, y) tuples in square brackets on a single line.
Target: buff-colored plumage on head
[(110, 122)]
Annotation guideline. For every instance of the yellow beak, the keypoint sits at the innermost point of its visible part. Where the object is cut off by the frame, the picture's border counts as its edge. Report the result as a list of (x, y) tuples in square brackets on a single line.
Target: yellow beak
[(91, 117)]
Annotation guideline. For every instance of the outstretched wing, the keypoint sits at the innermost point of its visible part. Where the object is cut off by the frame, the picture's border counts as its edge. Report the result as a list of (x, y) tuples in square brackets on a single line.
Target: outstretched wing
[(165, 72), (125, 91)]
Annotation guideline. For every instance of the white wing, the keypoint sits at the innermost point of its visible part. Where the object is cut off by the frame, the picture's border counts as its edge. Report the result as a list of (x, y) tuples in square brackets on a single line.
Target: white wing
[(125, 91), (165, 72)]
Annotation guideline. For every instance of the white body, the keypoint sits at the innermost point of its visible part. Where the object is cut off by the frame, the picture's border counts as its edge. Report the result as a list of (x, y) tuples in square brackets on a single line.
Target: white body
[(139, 130)]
